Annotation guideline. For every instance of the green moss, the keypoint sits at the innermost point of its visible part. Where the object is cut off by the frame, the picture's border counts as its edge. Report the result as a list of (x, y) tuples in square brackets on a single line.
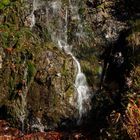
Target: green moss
[(11, 88), (136, 77), (102, 6), (3, 3), (97, 69), (135, 24), (69, 91), (20, 39), (55, 101), (64, 71), (31, 72), (82, 10), (50, 46), (4, 38), (133, 41), (1, 6)]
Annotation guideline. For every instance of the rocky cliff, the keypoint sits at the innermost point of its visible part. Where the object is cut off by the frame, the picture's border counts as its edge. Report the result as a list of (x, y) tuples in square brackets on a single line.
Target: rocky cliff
[(37, 78)]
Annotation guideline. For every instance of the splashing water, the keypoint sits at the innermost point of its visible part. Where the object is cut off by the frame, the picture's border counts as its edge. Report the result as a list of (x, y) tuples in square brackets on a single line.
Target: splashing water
[(31, 18), (59, 36), (82, 90), (38, 125)]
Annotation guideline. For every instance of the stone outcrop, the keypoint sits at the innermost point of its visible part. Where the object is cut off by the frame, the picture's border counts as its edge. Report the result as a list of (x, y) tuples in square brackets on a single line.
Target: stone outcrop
[(37, 79)]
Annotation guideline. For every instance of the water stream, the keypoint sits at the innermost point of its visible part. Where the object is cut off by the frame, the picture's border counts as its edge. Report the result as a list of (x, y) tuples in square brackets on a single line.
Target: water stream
[(60, 36), (57, 17), (82, 90)]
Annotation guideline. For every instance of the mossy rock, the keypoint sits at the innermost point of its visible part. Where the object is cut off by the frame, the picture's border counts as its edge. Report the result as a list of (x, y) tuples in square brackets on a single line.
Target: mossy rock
[(3, 3), (135, 75), (133, 39), (69, 91), (133, 42), (30, 72)]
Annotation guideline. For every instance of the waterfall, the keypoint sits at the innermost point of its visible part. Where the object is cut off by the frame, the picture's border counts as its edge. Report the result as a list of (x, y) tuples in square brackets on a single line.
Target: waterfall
[(30, 20), (82, 90), (58, 14), (57, 17)]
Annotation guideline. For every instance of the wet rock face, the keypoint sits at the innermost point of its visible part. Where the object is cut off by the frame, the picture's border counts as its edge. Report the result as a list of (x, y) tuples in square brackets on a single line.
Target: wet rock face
[(36, 79), (51, 95), (104, 21), (39, 87)]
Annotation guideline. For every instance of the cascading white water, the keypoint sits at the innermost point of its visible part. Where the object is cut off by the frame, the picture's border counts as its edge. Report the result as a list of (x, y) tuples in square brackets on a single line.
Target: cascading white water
[(57, 14), (30, 20), (82, 90), (60, 37), (38, 125)]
